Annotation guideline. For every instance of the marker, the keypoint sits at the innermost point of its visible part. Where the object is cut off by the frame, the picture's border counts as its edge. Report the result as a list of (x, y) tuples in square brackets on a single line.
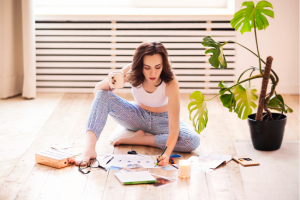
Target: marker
[(174, 166), (161, 155), (109, 160)]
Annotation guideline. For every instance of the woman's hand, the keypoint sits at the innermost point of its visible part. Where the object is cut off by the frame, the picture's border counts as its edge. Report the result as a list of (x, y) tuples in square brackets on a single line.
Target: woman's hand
[(110, 81), (163, 160)]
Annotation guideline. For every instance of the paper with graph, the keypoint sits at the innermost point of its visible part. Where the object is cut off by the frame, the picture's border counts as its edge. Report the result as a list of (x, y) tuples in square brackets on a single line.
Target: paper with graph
[(129, 160)]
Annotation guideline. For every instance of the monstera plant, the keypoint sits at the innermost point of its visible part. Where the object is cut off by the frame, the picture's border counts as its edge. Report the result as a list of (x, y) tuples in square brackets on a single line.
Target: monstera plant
[(238, 98)]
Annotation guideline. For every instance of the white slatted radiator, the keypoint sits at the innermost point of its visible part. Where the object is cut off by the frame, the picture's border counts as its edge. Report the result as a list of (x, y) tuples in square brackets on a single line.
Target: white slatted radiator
[(72, 56)]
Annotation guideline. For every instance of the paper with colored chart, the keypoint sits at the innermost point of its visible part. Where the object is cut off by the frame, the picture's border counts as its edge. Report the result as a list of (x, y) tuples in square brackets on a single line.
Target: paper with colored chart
[(129, 161), (171, 167)]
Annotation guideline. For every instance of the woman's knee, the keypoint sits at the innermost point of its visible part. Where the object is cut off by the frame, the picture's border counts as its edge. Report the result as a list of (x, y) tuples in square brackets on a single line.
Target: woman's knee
[(190, 143), (102, 94)]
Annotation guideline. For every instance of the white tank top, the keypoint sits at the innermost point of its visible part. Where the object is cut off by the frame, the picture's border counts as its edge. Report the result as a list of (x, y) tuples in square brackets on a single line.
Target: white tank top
[(155, 99)]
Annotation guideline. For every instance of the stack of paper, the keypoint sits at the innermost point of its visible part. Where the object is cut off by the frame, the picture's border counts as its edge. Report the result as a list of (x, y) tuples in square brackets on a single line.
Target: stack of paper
[(207, 162), (225, 158), (131, 178)]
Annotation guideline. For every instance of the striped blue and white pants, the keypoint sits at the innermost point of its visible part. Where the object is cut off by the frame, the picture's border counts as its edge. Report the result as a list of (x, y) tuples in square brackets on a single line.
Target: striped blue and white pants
[(133, 117)]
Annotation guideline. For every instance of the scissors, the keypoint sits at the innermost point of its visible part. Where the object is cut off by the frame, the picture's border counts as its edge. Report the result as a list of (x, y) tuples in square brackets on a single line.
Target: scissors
[(134, 153)]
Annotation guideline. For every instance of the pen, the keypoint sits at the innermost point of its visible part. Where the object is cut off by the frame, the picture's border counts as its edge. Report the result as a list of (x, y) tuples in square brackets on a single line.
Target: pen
[(161, 155), (109, 160), (174, 166)]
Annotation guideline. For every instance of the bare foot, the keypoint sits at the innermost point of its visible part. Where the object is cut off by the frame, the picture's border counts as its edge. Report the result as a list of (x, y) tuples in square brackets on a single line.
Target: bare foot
[(87, 154), (134, 139)]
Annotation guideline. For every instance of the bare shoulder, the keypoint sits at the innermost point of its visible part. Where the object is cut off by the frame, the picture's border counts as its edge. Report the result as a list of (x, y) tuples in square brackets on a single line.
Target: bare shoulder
[(172, 88)]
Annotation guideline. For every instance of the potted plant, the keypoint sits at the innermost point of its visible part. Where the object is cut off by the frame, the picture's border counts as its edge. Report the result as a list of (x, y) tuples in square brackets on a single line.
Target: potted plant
[(267, 128)]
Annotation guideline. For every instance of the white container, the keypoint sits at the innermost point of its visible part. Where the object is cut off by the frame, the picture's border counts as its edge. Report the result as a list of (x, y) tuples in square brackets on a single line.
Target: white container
[(117, 79), (184, 169)]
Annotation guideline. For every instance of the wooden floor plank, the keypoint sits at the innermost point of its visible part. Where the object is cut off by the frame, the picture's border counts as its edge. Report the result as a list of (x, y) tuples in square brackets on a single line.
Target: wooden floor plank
[(292, 125), (96, 182), (197, 184), (7, 167), (2, 180), (54, 183), (227, 147), (113, 188), (34, 183), (75, 181), (42, 177), (219, 142), (58, 178), (137, 192), (293, 102), (64, 114)]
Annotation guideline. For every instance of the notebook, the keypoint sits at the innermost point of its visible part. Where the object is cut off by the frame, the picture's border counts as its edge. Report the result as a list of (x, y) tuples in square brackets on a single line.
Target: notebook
[(131, 178)]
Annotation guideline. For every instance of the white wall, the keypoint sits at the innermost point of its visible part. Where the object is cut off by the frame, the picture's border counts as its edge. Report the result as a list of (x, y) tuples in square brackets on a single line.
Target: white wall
[(280, 40)]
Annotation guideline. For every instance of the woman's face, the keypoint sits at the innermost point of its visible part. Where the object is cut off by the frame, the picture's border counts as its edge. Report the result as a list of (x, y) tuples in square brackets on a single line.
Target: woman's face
[(153, 65)]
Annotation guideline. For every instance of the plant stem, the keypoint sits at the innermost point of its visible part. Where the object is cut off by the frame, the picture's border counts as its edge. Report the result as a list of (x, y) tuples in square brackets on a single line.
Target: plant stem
[(245, 48), (211, 98), (277, 79), (251, 75), (264, 116), (280, 114), (274, 108), (243, 74), (250, 78)]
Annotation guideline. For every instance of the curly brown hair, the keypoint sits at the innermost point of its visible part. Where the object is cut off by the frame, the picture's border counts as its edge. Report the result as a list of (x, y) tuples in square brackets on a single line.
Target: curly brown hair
[(136, 77)]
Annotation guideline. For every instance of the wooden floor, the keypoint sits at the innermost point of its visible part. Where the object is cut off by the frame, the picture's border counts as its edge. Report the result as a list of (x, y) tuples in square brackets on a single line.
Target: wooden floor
[(29, 126)]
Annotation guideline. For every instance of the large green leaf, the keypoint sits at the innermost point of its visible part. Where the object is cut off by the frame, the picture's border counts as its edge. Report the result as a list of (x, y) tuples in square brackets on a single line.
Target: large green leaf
[(224, 87), (197, 107), (247, 15), (228, 100), (217, 59), (245, 100), (222, 84), (277, 101)]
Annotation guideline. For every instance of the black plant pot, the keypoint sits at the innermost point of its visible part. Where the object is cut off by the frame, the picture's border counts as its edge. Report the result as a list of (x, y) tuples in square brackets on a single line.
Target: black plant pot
[(267, 135)]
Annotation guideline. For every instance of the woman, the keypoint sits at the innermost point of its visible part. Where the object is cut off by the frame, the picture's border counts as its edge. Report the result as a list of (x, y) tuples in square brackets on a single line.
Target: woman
[(156, 110)]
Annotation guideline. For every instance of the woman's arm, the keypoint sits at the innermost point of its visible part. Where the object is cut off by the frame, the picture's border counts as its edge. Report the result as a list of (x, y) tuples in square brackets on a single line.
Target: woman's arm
[(172, 91), (104, 85)]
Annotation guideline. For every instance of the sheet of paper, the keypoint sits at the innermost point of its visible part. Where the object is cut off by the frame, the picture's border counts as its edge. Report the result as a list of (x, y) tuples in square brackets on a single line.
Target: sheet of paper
[(170, 167), (103, 156), (129, 160), (61, 146), (196, 169), (223, 157), (125, 170), (135, 176), (205, 163)]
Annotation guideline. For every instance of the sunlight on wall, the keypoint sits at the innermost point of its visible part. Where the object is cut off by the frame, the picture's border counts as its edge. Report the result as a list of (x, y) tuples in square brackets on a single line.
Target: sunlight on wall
[(137, 3)]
